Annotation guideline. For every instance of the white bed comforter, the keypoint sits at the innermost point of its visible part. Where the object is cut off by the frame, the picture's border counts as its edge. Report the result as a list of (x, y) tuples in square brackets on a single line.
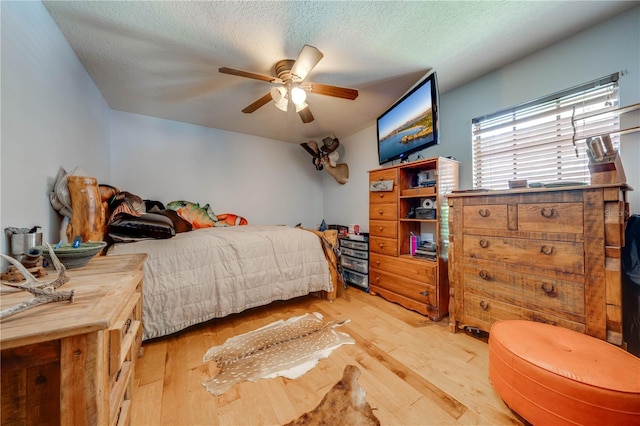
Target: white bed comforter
[(212, 272)]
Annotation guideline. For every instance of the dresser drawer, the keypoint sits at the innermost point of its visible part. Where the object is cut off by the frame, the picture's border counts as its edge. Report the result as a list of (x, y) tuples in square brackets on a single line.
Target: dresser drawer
[(383, 246), (551, 217), (422, 271), (383, 212), (553, 296), (125, 334), (383, 228), (483, 311), (121, 395), (550, 255), (411, 289), (490, 216)]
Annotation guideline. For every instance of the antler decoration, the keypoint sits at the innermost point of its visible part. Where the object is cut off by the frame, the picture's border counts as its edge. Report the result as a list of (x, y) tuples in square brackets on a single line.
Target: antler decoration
[(326, 156), (44, 291)]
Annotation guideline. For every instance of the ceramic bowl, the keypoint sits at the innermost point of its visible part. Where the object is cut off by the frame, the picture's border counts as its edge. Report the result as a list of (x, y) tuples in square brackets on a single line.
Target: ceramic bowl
[(74, 257)]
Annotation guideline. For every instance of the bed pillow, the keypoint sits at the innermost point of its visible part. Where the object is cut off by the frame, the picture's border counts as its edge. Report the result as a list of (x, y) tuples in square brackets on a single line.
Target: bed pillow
[(127, 227), (179, 224)]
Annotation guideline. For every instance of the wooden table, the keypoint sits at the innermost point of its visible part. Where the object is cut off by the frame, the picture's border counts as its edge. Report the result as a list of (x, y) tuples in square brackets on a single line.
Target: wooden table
[(72, 363)]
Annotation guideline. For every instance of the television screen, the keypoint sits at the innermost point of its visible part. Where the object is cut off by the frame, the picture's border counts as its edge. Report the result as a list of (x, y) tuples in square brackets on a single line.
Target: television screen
[(411, 124)]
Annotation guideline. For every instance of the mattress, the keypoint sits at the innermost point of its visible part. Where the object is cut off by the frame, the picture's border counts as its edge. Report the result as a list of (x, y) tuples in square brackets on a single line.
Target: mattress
[(213, 272)]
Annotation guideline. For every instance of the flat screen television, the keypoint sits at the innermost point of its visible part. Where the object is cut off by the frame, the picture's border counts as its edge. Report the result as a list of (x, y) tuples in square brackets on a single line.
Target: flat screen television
[(411, 124)]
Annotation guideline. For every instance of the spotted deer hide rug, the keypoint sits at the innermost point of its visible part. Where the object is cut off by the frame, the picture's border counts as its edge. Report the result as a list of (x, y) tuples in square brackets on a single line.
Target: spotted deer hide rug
[(284, 348)]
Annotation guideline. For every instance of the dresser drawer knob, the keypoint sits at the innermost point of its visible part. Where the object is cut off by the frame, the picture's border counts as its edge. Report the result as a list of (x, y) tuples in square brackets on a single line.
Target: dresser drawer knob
[(548, 213), (377, 263), (484, 275), (381, 245), (484, 305), (548, 250), (424, 293), (381, 195), (549, 291), (484, 243), (381, 228), (484, 212), (381, 212)]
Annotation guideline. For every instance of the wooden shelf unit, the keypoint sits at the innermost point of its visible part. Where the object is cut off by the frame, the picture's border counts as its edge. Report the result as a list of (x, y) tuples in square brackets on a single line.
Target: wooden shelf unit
[(417, 284)]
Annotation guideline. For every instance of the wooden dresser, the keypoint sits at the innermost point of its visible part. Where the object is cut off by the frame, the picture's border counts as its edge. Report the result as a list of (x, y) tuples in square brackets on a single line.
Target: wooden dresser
[(417, 284), (551, 255), (72, 363)]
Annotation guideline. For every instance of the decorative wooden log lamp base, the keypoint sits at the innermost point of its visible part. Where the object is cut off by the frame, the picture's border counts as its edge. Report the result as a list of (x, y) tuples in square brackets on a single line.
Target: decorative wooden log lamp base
[(88, 217), (550, 375)]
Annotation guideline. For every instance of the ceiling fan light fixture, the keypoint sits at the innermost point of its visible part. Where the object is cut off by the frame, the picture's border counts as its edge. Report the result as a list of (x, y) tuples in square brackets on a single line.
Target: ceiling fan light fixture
[(298, 95), (300, 106), (279, 96)]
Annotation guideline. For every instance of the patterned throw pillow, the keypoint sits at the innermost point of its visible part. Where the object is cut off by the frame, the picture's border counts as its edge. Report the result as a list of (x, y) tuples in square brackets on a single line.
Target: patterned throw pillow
[(198, 217)]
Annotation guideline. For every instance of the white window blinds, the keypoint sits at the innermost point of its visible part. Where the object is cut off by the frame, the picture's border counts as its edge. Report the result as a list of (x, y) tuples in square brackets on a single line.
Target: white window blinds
[(535, 141)]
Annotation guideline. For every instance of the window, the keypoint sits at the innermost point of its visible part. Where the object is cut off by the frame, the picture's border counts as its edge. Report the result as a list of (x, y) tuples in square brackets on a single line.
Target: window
[(544, 140)]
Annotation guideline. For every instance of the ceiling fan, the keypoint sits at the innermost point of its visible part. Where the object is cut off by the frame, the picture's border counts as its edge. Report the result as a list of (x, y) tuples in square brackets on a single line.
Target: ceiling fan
[(292, 87)]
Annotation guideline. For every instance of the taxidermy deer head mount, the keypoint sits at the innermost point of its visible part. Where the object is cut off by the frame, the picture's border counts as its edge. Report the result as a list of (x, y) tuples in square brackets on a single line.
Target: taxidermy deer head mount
[(326, 157)]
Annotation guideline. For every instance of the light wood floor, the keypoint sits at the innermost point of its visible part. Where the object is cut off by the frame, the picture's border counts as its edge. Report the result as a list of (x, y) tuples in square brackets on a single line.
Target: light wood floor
[(414, 371)]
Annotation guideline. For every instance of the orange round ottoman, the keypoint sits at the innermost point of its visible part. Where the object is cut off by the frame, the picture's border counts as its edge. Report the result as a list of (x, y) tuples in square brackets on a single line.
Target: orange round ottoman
[(555, 376)]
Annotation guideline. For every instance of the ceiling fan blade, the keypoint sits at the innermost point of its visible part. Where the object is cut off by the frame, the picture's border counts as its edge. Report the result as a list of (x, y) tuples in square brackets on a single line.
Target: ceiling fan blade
[(335, 91), (305, 115), (257, 104), (307, 59), (240, 73)]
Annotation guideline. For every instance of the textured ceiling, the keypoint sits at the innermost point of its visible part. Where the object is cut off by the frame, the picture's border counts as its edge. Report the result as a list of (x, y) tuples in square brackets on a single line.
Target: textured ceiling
[(161, 58)]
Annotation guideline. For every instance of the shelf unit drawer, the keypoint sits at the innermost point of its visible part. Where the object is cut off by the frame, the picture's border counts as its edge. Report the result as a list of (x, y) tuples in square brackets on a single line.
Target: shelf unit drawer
[(383, 197), (383, 212), (379, 175), (423, 271), (383, 228), (383, 246), (415, 290)]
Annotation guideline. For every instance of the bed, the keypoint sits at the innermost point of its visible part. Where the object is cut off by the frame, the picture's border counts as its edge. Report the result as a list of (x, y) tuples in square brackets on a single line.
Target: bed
[(199, 265), (209, 273)]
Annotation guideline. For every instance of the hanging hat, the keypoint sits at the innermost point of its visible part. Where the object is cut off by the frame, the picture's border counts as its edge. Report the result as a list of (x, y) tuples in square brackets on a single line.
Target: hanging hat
[(330, 144)]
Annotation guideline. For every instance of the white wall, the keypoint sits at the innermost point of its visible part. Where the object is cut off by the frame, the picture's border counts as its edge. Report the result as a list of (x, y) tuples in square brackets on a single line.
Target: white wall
[(611, 46), (266, 181), (52, 116)]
